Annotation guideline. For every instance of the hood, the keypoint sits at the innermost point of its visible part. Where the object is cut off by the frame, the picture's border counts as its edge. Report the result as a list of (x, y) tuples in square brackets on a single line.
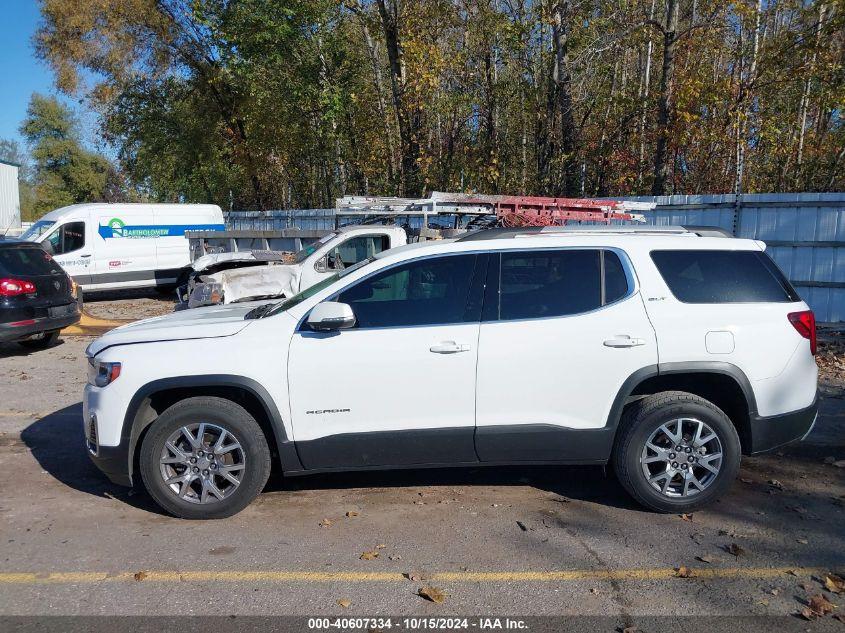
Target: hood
[(209, 322), (273, 280)]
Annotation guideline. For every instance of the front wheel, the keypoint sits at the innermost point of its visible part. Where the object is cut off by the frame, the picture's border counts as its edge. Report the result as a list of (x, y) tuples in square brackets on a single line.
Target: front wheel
[(204, 458), (676, 452)]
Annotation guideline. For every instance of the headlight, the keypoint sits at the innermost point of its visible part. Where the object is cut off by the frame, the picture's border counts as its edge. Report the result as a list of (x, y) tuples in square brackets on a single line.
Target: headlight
[(101, 373)]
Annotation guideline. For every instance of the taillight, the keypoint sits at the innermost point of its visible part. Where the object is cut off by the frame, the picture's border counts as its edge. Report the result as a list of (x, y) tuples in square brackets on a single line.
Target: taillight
[(805, 323), (15, 287)]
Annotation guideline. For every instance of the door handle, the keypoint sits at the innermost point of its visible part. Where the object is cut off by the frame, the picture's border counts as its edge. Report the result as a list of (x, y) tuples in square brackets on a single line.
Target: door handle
[(89, 255), (449, 347), (623, 340)]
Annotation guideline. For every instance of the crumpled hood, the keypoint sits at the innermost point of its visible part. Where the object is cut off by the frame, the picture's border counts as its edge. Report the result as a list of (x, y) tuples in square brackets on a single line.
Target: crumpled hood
[(273, 280), (209, 322)]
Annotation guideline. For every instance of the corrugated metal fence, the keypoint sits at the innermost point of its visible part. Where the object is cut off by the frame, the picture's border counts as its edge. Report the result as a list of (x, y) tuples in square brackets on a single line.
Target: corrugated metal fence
[(804, 233)]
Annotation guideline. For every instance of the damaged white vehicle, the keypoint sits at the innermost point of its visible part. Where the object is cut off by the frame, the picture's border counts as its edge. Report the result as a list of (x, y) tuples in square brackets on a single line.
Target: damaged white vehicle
[(246, 276)]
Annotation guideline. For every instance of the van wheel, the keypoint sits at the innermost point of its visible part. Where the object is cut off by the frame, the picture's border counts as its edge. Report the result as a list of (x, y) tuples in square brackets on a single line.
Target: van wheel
[(204, 458), (676, 452), (45, 340)]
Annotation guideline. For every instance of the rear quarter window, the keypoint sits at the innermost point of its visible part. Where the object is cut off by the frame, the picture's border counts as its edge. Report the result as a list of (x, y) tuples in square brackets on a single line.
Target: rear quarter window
[(24, 262), (698, 276)]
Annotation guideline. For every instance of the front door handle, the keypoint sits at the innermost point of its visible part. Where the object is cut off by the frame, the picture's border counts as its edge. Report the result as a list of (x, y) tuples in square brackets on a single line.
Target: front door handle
[(623, 340), (89, 255), (449, 347)]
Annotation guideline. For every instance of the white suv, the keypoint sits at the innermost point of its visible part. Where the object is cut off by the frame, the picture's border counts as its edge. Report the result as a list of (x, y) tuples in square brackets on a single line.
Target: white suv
[(668, 352)]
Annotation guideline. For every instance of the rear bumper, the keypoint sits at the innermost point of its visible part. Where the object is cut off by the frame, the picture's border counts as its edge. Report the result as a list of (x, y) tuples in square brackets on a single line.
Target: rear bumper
[(28, 327), (768, 433)]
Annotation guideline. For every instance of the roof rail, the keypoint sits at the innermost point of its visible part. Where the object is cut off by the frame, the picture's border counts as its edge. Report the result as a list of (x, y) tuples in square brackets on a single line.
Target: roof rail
[(509, 233)]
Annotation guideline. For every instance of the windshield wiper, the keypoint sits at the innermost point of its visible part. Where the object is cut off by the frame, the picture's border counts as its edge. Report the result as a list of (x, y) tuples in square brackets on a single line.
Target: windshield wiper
[(260, 311)]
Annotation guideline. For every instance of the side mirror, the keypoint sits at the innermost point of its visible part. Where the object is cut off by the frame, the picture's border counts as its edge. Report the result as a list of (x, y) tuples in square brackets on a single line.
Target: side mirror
[(330, 316)]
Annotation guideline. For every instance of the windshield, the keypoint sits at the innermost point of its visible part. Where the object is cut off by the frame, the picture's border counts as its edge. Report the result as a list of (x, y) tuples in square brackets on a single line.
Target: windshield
[(296, 299), (37, 230), (306, 252)]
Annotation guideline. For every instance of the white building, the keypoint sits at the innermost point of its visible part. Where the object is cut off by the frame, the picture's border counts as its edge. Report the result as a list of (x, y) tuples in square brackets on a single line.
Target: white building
[(10, 200)]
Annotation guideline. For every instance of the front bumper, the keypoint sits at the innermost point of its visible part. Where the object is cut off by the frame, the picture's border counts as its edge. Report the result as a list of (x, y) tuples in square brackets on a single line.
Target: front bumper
[(112, 460), (769, 433), (30, 327)]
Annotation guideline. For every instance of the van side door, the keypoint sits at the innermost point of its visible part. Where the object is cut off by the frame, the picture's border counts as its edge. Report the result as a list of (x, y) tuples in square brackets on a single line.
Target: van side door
[(562, 330)]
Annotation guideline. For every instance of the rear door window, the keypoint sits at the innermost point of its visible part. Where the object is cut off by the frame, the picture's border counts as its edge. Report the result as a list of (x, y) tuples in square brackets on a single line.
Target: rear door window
[(548, 283), (24, 262), (699, 276)]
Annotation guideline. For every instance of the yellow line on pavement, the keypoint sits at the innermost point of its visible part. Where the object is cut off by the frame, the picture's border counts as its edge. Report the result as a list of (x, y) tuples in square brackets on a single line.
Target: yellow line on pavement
[(86, 577)]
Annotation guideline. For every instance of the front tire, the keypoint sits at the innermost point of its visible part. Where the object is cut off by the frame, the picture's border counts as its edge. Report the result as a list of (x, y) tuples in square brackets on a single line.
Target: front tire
[(676, 452), (204, 458)]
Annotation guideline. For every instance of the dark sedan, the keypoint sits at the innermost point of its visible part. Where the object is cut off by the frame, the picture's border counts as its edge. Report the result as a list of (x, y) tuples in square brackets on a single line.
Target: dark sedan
[(36, 295)]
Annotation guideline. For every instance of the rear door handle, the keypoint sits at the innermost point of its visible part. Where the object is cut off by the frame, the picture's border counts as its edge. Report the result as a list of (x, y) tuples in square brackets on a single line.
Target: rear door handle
[(85, 255), (449, 347), (623, 340)]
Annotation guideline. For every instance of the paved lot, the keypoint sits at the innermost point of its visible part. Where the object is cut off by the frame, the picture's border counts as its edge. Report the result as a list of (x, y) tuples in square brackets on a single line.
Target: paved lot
[(496, 541)]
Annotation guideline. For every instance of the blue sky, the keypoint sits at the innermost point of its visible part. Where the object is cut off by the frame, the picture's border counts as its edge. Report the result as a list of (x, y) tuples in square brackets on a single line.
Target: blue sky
[(21, 73)]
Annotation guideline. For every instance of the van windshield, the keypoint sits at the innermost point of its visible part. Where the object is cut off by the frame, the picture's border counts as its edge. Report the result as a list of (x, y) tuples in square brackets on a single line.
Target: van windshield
[(37, 230)]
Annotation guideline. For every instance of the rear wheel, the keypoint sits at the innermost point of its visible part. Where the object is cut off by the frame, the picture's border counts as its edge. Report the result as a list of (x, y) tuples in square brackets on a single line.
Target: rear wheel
[(204, 458), (676, 452), (43, 340)]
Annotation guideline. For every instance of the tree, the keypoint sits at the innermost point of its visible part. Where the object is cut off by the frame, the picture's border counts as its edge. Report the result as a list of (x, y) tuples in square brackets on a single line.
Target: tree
[(64, 172)]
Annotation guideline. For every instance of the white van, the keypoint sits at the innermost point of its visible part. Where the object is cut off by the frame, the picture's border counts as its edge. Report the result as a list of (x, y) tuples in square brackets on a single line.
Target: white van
[(109, 246)]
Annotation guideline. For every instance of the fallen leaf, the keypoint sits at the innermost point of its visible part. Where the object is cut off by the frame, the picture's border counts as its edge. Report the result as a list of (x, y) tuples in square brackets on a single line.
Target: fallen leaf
[(381, 546), (764, 602), (775, 591), (704, 559), (140, 575), (415, 576), (803, 541), (344, 602), (774, 483), (820, 605), (808, 614), (834, 583), (735, 549), (326, 523), (686, 517), (522, 526), (746, 481), (432, 593), (370, 555), (352, 513), (594, 591), (630, 629), (395, 557), (684, 572), (791, 572)]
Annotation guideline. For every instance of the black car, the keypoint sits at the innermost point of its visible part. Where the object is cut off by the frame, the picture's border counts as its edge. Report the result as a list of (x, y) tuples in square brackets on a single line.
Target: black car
[(36, 295)]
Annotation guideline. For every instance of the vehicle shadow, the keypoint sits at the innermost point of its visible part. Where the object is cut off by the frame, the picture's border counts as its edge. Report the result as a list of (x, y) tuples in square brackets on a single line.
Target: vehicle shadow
[(56, 442), (8, 350)]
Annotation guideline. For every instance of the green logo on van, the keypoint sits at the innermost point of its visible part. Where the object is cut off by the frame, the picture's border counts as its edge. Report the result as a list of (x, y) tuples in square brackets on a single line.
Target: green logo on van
[(116, 225)]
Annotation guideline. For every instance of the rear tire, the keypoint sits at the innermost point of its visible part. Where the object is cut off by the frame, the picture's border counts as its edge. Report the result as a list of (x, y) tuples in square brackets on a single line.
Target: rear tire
[(48, 340), (215, 469), (661, 458)]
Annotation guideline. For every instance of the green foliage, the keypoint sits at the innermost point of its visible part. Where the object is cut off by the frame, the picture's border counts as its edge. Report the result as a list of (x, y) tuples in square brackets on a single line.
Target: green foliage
[(64, 172), (292, 103)]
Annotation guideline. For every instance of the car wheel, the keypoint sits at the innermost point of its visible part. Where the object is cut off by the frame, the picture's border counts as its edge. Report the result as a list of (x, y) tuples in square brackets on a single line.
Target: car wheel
[(676, 452), (45, 340), (204, 458)]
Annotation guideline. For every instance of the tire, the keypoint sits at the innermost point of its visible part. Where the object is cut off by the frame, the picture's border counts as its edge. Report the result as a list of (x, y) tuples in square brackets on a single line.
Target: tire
[(48, 340), (644, 421), (249, 463)]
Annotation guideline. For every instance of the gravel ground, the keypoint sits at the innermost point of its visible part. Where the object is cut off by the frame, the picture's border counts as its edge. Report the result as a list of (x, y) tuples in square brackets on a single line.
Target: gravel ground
[(504, 541)]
